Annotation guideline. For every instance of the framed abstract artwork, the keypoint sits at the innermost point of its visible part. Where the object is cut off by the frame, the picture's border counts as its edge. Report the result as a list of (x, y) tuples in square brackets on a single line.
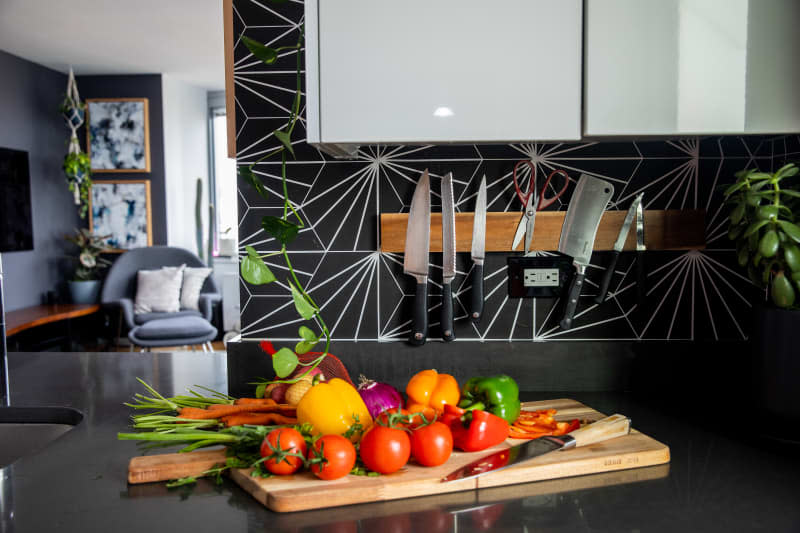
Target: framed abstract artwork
[(121, 210), (118, 134)]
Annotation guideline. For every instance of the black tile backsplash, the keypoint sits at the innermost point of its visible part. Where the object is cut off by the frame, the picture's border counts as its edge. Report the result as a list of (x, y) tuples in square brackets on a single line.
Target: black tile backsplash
[(696, 295)]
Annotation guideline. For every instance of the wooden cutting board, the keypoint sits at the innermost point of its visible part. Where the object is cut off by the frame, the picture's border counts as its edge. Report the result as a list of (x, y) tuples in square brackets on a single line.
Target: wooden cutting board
[(304, 491)]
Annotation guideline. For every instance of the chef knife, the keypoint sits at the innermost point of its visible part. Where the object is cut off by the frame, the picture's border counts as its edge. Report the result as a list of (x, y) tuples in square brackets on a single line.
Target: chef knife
[(618, 245), (478, 252), (415, 261), (577, 234), (641, 275), (604, 429), (448, 257)]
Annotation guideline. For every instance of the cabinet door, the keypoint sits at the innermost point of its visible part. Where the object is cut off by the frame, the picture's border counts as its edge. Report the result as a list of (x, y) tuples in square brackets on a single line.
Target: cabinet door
[(655, 67), (419, 71)]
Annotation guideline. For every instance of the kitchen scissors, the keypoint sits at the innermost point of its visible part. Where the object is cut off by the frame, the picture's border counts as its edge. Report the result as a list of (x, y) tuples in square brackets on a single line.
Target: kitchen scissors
[(533, 200)]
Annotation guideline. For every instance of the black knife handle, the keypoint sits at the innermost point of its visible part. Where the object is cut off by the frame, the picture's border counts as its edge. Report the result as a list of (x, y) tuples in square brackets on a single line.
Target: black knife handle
[(419, 324), (641, 280), (448, 334), (607, 275), (572, 300), (476, 296)]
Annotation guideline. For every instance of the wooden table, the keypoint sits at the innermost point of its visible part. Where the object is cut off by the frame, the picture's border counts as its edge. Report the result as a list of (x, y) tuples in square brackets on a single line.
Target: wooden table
[(30, 317)]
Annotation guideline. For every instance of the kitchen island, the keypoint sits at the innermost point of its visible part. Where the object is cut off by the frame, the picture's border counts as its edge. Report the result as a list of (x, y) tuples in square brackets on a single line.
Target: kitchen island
[(718, 480)]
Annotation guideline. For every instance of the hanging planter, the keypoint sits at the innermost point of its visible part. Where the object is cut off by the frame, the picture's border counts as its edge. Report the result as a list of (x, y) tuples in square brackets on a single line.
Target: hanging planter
[(77, 165)]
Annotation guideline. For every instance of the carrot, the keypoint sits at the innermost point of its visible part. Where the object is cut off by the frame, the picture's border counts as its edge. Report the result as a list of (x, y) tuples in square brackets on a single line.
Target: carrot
[(261, 419), (228, 410), (255, 401)]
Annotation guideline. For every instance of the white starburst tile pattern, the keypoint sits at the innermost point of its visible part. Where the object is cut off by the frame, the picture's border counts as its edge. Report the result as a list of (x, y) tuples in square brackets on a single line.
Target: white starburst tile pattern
[(364, 293)]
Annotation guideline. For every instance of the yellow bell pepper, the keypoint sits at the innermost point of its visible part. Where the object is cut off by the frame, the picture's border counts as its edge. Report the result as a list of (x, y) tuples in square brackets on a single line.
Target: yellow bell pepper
[(332, 407)]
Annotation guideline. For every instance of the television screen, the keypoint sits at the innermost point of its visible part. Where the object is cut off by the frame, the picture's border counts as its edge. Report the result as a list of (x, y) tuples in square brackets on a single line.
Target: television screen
[(16, 228)]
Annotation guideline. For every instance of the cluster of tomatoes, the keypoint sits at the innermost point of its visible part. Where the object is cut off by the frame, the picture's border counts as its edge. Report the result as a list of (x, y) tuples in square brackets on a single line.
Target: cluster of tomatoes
[(386, 447)]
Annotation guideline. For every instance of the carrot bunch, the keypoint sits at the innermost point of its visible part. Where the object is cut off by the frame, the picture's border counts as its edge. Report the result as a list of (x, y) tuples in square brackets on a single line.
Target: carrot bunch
[(257, 411), (535, 424)]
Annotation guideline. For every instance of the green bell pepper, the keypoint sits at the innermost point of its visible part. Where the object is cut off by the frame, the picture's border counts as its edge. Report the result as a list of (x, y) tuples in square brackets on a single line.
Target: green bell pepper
[(498, 395)]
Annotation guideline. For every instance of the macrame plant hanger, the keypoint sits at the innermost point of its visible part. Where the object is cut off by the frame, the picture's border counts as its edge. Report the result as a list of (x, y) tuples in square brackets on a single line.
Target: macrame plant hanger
[(73, 113)]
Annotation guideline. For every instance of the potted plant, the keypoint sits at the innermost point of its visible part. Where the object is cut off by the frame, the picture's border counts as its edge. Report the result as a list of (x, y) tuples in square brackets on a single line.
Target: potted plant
[(765, 209), (85, 285)]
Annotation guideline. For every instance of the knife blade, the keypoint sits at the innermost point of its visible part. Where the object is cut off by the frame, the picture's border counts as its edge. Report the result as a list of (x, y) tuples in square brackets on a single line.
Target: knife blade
[(415, 260), (478, 253), (448, 257), (641, 275), (618, 245), (607, 428), (577, 234)]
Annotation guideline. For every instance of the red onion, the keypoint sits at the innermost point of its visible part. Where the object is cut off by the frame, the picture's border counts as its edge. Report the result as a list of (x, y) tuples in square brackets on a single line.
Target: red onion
[(378, 396)]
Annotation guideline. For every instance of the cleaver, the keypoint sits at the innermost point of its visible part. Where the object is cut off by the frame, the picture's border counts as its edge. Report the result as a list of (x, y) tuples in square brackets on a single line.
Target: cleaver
[(577, 234)]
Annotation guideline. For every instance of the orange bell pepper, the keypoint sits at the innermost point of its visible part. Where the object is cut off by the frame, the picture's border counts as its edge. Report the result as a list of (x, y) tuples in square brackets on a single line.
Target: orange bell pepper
[(428, 392)]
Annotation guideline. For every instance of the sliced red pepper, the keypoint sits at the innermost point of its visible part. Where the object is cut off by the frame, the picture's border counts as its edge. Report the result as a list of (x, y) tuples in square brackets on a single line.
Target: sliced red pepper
[(482, 430)]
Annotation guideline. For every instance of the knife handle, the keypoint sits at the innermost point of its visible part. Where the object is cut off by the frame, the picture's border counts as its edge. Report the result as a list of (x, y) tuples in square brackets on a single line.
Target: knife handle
[(476, 297), (448, 334), (572, 299), (607, 275), (419, 324), (604, 429), (641, 280)]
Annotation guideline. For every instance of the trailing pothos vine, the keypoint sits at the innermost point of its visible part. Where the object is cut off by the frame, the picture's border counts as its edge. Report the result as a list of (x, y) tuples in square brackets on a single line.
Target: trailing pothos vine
[(284, 230)]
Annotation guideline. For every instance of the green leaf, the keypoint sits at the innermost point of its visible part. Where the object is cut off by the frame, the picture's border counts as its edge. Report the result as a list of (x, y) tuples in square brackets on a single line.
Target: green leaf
[(752, 241), (303, 347), (769, 244), (767, 212), (733, 188), (791, 253), (260, 390), (742, 256), (755, 226), (304, 309), (791, 230), (254, 270), (285, 140), (782, 292), (307, 334), (253, 180), (796, 277), (737, 213), (786, 171), (310, 339), (791, 192), (282, 230), (758, 186), (757, 259), (756, 176), (754, 198), (264, 53), (753, 275), (284, 361), (735, 231)]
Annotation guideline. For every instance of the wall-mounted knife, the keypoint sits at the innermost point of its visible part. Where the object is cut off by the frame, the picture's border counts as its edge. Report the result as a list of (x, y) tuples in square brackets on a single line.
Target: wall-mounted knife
[(478, 253), (618, 245), (641, 272), (448, 257), (585, 210), (415, 261)]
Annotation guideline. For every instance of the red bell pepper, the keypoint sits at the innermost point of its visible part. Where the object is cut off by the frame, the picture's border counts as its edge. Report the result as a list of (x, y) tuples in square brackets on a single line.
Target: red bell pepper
[(474, 430)]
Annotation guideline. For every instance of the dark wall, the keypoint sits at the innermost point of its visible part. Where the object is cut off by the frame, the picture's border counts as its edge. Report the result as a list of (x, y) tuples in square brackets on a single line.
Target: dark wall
[(29, 120), (137, 86)]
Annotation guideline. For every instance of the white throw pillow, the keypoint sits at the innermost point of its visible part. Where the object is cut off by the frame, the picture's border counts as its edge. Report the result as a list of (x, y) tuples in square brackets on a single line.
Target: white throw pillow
[(158, 291), (193, 279)]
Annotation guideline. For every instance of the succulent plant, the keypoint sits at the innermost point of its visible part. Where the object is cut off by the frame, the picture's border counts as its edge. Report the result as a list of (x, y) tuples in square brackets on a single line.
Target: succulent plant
[(764, 211), (90, 246)]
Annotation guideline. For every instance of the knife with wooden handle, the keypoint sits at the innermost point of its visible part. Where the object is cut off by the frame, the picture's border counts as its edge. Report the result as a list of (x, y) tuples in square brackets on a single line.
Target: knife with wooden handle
[(415, 261), (448, 257), (478, 253)]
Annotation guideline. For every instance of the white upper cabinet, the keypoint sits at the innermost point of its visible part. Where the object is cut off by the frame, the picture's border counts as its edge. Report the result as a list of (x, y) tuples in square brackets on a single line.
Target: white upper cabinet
[(422, 71), (663, 67)]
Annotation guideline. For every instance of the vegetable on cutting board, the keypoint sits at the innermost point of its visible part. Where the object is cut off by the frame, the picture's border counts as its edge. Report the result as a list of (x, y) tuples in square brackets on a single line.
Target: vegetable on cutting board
[(428, 392), (474, 430), (431, 444), (283, 451), (332, 407), (377, 396), (385, 449), (332, 457), (535, 424), (498, 395)]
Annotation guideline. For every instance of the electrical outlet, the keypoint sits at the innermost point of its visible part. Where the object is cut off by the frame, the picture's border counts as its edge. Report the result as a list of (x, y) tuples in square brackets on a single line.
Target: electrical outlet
[(540, 277)]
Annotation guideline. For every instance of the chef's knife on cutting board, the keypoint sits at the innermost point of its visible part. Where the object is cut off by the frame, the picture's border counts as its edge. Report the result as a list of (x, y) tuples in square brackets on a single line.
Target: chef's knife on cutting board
[(577, 234), (478, 252), (415, 261), (604, 429), (618, 245), (448, 257)]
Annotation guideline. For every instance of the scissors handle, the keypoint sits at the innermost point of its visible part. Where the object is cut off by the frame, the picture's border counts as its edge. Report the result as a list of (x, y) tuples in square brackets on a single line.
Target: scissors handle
[(525, 197), (546, 202)]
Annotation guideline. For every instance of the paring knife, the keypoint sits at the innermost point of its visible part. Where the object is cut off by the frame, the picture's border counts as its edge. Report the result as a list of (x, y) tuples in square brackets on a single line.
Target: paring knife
[(641, 273), (448, 257), (415, 261), (478, 252), (604, 429), (577, 234), (633, 210)]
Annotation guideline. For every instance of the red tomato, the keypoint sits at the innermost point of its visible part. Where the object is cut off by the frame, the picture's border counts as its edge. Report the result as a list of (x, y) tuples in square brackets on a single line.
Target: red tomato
[(278, 446), (384, 449), (431, 445), (337, 457)]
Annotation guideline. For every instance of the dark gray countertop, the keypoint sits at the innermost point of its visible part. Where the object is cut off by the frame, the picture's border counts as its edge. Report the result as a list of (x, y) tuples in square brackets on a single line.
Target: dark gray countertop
[(715, 482)]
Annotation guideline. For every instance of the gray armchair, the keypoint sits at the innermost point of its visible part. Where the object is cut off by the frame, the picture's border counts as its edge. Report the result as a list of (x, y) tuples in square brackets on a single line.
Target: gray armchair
[(119, 288)]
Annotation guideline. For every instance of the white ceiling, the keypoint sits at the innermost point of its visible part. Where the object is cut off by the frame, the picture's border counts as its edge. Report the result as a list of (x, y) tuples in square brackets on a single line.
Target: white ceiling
[(182, 38)]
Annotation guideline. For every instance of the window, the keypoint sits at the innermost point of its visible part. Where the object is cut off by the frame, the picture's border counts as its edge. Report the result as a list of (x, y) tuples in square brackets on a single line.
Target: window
[(223, 185)]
